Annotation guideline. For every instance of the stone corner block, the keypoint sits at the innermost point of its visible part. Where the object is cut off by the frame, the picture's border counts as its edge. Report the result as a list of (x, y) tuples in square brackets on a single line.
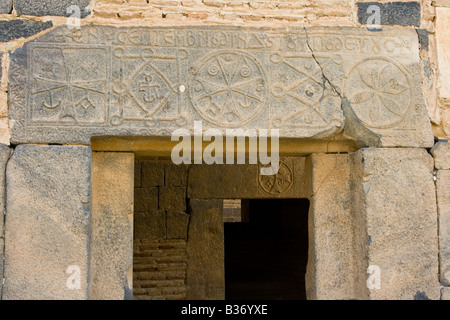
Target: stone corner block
[(441, 154), (399, 204), (47, 225)]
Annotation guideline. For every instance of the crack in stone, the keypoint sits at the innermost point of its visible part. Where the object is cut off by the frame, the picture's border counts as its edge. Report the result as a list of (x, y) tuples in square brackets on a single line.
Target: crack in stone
[(353, 126), (325, 78)]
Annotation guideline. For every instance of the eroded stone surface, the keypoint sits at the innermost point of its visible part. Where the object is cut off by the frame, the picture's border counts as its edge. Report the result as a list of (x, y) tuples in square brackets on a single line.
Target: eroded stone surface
[(53, 8), (15, 29), (177, 224), (443, 49), (5, 153), (172, 198), (151, 81), (245, 181), (331, 270), (443, 55), (150, 225), (443, 201), (445, 293), (205, 279), (6, 6), (441, 154), (398, 204), (391, 13), (111, 247), (47, 221)]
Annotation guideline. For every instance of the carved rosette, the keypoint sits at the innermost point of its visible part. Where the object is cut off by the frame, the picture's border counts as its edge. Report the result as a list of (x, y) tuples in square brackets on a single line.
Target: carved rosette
[(228, 88), (379, 91)]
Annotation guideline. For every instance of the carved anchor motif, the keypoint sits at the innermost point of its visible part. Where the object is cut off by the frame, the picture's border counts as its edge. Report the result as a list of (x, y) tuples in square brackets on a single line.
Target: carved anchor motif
[(69, 95), (51, 106), (150, 89)]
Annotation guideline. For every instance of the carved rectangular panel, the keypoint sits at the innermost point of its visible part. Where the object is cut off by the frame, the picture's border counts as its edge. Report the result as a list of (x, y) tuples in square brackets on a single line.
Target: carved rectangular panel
[(69, 85)]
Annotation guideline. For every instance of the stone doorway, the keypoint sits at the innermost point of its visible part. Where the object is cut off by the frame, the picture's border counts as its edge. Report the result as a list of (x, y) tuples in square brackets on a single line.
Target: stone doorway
[(185, 247), (266, 254)]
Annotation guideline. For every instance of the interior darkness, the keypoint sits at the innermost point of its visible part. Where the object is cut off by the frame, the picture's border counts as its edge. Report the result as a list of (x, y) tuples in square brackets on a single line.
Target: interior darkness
[(265, 258)]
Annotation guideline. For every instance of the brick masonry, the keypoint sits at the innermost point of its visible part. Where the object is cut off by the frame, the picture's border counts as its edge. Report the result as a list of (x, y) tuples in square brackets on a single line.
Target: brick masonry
[(159, 269), (160, 231)]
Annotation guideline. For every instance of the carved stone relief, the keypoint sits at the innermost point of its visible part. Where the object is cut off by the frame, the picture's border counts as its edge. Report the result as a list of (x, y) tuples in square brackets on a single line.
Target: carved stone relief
[(69, 85)]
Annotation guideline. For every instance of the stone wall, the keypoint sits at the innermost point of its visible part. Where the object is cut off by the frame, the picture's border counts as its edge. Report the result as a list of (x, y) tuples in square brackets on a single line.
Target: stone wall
[(22, 21), (46, 219), (160, 231)]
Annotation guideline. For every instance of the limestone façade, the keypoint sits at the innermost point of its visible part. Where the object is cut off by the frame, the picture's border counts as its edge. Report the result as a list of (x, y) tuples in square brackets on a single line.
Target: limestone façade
[(70, 84)]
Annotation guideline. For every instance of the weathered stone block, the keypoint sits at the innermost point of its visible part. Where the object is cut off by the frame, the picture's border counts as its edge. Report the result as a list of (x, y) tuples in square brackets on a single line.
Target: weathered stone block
[(443, 205), (146, 199), (5, 153), (331, 270), (47, 225), (172, 198), (6, 6), (177, 224), (15, 29), (397, 203), (317, 82), (111, 246), (443, 55), (176, 175), (205, 247), (152, 173), (52, 8), (2, 244), (391, 13), (150, 225), (441, 154), (245, 181), (235, 181), (137, 173), (445, 293)]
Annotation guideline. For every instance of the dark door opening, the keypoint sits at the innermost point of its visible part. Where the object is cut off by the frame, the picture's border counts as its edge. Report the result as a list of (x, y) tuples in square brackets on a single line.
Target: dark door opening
[(265, 257)]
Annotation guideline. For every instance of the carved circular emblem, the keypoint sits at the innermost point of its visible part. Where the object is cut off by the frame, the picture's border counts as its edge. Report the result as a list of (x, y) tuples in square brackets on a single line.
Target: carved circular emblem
[(277, 183), (228, 88), (379, 92)]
